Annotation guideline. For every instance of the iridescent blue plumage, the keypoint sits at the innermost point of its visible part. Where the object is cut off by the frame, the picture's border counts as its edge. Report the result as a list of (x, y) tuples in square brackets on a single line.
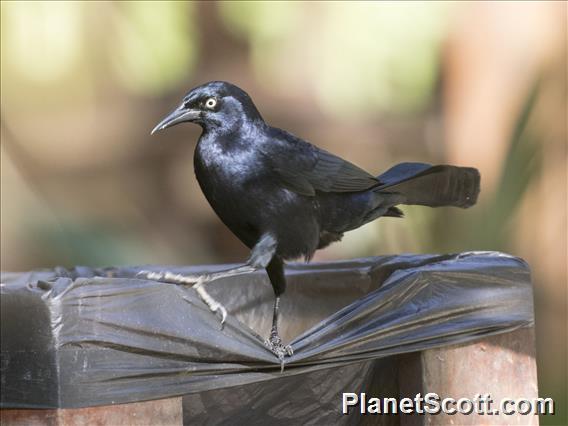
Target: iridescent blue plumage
[(284, 197)]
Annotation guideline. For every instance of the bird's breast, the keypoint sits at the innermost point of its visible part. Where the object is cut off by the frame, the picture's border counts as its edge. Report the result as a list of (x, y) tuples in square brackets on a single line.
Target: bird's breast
[(238, 186), (227, 166)]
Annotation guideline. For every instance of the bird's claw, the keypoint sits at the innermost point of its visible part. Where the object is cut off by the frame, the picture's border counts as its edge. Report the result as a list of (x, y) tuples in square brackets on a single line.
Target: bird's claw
[(196, 281), (275, 345), (221, 311), (213, 305)]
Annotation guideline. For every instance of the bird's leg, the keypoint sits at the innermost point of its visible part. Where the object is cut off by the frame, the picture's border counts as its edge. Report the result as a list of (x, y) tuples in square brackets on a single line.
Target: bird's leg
[(213, 305), (275, 270), (260, 257), (274, 342), (198, 283)]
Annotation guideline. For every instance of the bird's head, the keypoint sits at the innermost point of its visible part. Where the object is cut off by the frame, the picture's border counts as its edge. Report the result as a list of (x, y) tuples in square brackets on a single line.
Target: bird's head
[(214, 105)]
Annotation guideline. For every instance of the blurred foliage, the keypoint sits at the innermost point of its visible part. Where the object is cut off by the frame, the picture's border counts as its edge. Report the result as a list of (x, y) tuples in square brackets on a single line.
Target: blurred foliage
[(90, 243), (151, 47), (520, 169), (43, 40), (491, 226), (145, 47), (156, 45), (370, 75)]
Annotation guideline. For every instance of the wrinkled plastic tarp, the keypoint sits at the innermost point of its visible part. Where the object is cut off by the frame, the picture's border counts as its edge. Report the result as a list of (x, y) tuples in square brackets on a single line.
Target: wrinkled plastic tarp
[(75, 338)]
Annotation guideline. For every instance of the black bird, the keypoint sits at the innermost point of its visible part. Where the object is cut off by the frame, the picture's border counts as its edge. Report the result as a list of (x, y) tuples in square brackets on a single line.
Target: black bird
[(285, 198)]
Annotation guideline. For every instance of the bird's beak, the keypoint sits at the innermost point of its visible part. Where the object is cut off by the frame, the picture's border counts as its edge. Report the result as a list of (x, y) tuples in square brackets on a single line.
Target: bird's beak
[(179, 115)]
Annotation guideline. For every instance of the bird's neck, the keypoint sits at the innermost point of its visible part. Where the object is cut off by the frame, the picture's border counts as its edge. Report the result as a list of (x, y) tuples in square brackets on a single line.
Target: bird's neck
[(236, 133)]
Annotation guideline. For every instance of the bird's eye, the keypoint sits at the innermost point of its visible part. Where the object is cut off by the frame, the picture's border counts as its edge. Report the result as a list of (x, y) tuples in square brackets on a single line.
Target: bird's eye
[(211, 103)]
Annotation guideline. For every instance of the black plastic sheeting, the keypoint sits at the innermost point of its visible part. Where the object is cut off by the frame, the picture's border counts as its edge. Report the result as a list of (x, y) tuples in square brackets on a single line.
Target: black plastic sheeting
[(76, 338)]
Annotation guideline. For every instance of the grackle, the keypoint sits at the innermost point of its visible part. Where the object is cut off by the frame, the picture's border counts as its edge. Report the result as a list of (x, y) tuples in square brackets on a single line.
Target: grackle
[(285, 198)]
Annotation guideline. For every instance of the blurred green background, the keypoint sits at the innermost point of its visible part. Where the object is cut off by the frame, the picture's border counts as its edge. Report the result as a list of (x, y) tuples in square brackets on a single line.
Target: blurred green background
[(477, 84)]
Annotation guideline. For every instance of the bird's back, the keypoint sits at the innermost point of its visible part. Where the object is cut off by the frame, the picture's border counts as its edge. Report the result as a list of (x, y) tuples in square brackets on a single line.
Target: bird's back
[(278, 183)]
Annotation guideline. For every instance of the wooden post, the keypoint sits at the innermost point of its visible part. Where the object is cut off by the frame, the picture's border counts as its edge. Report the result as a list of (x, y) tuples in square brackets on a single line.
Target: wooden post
[(162, 412), (503, 366)]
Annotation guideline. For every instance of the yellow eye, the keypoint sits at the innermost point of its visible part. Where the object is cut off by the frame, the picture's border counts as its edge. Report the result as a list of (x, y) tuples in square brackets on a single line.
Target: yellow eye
[(211, 103)]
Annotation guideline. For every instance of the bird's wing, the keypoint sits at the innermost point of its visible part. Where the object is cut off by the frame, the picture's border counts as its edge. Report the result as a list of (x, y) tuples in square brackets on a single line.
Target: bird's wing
[(304, 168)]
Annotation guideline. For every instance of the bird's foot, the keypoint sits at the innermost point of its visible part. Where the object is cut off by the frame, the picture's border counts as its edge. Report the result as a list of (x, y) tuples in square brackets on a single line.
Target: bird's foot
[(169, 276), (274, 343), (197, 282), (213, 305)]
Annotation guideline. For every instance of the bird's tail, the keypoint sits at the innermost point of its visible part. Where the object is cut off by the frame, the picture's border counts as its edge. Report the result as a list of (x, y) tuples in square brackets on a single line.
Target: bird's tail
[(433, 186)]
